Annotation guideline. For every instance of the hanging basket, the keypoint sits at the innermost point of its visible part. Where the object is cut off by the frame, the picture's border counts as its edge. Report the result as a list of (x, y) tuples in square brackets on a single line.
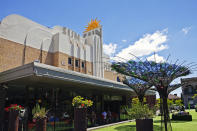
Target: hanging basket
[(13, 120), (80, 120), (41, 124), (144, 124)]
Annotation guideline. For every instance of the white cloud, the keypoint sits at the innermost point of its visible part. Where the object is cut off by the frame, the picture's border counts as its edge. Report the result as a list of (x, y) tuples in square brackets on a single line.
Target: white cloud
[(146, 45), (156, 57), (186, 30), (109, 49), (124, 41)]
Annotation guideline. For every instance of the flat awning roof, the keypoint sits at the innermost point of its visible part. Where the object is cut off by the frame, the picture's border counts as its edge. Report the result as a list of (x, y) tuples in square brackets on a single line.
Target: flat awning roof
[(42, 75)]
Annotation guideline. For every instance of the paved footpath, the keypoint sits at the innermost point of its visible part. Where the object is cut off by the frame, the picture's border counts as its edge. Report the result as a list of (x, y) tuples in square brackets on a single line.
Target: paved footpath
[(112, 124)]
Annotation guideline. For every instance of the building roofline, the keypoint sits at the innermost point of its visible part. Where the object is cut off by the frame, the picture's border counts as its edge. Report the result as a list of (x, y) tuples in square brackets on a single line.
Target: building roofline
[(188, 79)]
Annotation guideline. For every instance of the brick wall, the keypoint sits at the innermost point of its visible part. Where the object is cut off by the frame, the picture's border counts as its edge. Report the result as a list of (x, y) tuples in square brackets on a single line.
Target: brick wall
[(13, 55), (112, 75)]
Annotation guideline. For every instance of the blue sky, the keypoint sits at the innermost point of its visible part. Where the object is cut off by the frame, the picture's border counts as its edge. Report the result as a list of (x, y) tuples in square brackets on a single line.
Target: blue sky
[(166, 27)]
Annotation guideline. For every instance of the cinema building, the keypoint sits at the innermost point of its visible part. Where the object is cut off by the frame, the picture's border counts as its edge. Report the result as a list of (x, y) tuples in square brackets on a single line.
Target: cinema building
[(50, 66)]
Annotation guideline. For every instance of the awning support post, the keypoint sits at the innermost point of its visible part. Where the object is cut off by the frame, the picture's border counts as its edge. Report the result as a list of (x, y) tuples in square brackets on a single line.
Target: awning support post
[(2, 104)]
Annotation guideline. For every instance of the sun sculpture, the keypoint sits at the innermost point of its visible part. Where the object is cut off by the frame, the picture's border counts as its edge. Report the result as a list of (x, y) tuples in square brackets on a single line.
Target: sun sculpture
[(140, 87), (159, 75), (92, 25)]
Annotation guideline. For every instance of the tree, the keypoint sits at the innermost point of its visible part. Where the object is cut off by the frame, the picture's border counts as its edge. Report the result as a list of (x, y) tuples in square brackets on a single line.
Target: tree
[(170, 88), (158, 74), (140, 87)]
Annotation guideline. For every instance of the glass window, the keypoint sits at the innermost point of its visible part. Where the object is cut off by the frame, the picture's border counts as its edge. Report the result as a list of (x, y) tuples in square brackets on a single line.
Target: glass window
[(69, 61), (77, 63), (83, 64)]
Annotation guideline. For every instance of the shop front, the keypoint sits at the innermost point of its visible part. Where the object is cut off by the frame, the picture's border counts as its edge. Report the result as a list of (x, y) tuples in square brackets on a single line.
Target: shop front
[(54, 89)]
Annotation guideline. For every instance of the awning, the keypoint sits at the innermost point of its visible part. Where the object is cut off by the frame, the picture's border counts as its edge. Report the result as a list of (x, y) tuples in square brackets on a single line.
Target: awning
[(42, 75)]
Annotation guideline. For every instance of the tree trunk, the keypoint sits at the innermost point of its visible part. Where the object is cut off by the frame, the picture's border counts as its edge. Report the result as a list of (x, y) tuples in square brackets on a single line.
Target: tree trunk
[(141, 99), (165, 117)]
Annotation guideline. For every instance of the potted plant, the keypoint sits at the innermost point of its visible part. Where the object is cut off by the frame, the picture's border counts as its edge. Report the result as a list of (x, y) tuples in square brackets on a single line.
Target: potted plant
[(39, 114), (13, 110), (142, 114), (80, 108)]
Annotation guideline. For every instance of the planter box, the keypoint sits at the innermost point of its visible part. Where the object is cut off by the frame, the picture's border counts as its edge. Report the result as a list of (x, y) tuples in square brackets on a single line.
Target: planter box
[(182, 117), (144, 124), (80, 120), (13, 120), (41, 124)]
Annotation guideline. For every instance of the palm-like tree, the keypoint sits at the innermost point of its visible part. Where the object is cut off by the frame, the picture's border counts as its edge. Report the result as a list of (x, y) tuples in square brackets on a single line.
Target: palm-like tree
[(140, 87), (159, 75)]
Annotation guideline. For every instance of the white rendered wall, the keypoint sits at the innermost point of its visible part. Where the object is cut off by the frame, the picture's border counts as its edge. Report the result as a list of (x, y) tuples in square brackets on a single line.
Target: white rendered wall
[(19, 29), (57, 39), (95, 42)]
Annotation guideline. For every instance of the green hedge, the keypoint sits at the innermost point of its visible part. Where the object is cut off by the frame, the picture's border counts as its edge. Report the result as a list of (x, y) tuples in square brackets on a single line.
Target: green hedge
[(181, 117)]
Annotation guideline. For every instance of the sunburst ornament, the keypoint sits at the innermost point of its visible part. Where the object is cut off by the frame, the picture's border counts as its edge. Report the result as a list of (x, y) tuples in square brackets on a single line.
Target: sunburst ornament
[(92, 25)]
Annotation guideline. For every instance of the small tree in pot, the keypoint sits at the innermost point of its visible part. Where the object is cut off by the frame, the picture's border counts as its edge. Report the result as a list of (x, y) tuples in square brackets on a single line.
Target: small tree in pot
[(40, 115), (142, 114), (80, 110), (13, 110)]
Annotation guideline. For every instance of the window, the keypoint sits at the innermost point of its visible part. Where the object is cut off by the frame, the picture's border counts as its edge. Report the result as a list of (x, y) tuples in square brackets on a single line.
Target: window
[(69, 61), (83, 64), (76, 63), (118, 79)]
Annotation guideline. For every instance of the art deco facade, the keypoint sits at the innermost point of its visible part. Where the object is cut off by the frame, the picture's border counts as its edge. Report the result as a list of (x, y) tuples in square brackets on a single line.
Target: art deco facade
[(23, 41), (52, 65)]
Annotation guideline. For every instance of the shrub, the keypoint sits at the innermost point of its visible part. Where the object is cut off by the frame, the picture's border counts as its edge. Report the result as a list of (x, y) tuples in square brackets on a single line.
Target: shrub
[(184, 116), (139, 111)]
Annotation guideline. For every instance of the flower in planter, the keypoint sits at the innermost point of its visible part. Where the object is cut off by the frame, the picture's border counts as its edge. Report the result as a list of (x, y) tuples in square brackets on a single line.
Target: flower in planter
[(14, 107), (39, 112), (79, 102)]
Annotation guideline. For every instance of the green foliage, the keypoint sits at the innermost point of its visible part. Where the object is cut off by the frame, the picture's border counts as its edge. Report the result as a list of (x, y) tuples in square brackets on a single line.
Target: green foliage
[(195, 95), (139, 111), (171, 103), (39, 112), (136, 101), (178, 102), (79, 102), (185, 117)]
